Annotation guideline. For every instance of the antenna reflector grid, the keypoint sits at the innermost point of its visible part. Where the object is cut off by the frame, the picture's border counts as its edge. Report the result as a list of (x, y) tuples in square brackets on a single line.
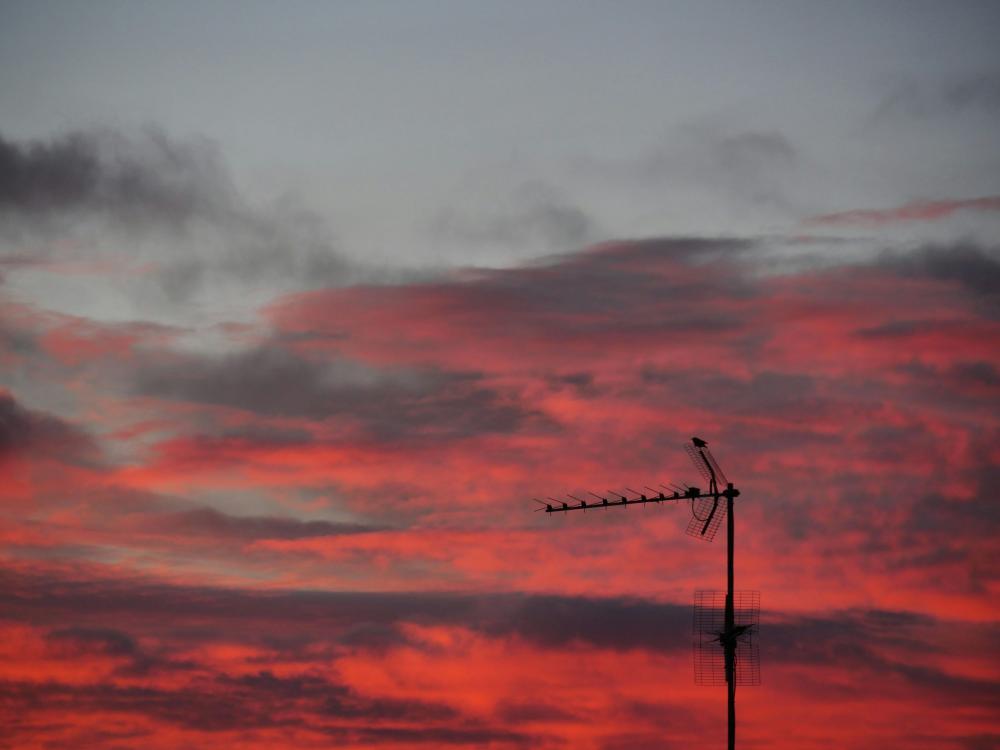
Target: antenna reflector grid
[(709, 628), (699, 464), (706, 517)]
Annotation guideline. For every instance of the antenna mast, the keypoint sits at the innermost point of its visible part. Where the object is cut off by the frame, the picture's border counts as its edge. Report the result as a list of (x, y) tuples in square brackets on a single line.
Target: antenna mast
[(728, 629)]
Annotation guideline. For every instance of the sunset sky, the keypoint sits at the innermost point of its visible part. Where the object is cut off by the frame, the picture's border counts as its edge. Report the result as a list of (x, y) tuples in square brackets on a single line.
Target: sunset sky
[(302, 303)]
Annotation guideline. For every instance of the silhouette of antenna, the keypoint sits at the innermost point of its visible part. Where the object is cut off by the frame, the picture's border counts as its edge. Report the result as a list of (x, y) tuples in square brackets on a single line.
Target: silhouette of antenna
[(710, 637), (725, 623), (707, 511)]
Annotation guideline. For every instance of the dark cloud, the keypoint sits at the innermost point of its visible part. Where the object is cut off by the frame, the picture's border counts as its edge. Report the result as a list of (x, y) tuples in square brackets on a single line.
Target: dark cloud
[(515, 712), (549, 621), (76, 642), (980, 742), (582, 384), (626, 288), (90, 603), (222, 526), (978, 373), (888, 647), (24, 432), (901, 329), (135, 180), (959, 519), (266, 380), (295, 627), (960, 386), (273, 380), (15, 341), (261, 701), (334, 700), (769, 392), (204, 699), (176, 204), (975, 267), (616, 623), (101, 640)]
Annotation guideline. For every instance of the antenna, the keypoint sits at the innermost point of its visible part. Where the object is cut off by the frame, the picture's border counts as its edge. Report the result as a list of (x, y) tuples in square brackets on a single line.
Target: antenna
[(706, 511), (710, 637), (725, 623)]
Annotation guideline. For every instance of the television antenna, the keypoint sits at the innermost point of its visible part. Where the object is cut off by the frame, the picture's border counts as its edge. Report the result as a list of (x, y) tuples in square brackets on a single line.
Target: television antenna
[(725, 623)]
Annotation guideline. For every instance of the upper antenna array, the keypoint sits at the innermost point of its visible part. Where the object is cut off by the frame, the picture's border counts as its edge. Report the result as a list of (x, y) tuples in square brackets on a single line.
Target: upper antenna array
[(725, 623), (708, 508)]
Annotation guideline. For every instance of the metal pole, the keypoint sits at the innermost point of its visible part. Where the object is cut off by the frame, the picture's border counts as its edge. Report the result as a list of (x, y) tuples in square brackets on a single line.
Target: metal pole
[(730, 643)]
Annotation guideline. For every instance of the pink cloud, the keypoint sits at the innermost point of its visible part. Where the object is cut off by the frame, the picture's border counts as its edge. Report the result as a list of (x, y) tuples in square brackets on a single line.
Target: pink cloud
[(915, 211), (333, 532)]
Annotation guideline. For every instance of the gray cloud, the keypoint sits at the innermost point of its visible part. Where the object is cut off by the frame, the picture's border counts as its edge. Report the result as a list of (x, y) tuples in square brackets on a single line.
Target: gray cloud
[(222, 526), (170, 202), (976, 92), (390, 404), (876, 643), (74, 642), (103, 640), (150, 178), (608, 289), (263, 700), (747, 154), (753, 167), (27, 432), (767, 392), (534, 215), (975, 267)]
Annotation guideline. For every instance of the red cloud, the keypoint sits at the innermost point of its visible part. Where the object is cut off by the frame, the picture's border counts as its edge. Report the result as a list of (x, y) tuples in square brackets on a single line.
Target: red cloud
[(180, 665), (915, 211), (328, 540)]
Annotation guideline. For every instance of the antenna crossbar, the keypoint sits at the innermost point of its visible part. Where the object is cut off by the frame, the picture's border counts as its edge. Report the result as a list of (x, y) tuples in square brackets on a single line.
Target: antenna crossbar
[(692, 493)]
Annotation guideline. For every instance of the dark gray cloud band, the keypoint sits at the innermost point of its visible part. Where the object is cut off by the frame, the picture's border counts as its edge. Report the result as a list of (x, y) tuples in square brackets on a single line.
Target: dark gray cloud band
[(272, 380), (170, 203)]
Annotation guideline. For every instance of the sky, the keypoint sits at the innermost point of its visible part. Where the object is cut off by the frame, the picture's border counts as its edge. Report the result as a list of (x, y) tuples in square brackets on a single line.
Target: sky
[(302, 304)]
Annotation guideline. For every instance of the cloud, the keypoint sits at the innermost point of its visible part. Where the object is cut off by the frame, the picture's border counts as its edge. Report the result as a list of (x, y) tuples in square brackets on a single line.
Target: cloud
[(534, 216), (605, 299), (104, 640), (749, 168), (263, 701), (975, 267), (850, 403), (221, 526), (24, 432), (168, 205), (915, 211), (974, 93), (547, 621), (385, 402), (132, 180), (912, 655)]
